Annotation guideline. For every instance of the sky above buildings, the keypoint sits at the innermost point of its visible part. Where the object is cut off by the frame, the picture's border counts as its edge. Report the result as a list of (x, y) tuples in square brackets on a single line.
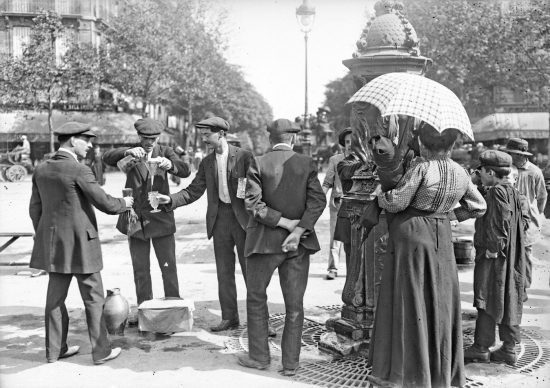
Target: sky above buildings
[(264, 38)]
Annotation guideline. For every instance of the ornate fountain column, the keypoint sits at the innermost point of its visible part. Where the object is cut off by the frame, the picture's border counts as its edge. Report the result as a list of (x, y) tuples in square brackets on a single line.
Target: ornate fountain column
[(387, 44)]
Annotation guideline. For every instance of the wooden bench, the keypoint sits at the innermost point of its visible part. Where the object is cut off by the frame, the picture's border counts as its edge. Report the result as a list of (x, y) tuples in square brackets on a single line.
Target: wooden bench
[(13, 237)]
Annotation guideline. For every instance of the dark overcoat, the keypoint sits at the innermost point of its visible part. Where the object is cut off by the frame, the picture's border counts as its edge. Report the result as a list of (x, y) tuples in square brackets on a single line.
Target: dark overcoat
[(138, 179), (206, 179), (282, 183), (64, 193), (499, 283)]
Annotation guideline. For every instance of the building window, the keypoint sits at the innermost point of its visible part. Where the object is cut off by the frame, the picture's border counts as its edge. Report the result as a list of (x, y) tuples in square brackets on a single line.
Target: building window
[(4, 42), (20, 38), (62, 7), (22, 6)]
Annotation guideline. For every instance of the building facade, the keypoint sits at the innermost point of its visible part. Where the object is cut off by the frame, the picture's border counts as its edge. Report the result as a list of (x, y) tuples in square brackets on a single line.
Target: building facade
[(87, 20)]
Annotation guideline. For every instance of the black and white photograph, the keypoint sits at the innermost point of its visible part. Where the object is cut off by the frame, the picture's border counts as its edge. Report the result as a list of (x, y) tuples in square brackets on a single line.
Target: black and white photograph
[(274, 193)]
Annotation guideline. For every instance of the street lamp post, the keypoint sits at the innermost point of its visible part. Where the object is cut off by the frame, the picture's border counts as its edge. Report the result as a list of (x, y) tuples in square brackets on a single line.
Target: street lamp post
[(305, 14)]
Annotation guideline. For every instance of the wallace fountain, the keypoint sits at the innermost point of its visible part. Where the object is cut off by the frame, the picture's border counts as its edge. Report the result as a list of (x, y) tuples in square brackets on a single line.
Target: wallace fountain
[(387, 44)]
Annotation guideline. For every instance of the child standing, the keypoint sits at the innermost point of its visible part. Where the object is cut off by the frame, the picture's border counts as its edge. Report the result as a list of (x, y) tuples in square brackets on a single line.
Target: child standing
[(499, 272)]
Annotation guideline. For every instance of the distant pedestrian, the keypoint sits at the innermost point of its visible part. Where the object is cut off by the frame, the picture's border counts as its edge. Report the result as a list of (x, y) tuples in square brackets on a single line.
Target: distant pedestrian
[(500, 264), (346, 170), (530, 183), (332, 182), (66, 245), (285, 199), (22, 152), (97, 165)]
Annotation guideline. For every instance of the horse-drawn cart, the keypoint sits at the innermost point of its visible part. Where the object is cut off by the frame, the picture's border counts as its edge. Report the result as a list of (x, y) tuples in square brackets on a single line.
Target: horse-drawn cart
[(12, 170)]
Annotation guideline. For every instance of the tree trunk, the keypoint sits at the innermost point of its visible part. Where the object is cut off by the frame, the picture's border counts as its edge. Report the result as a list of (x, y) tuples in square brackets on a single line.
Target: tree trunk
[(50, 123), (143, 109)]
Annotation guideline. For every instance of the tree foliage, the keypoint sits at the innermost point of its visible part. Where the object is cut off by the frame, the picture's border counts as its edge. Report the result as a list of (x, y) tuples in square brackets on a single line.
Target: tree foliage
[(477, 48), (480, 47), (172, 52), (337, 93), (40, 80)]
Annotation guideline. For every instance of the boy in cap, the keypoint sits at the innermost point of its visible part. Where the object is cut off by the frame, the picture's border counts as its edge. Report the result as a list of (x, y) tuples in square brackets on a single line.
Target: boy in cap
[(530, 183), (332, 181), (499, 271), (222, 174), (156, 228), (64, 194), (285, 199)]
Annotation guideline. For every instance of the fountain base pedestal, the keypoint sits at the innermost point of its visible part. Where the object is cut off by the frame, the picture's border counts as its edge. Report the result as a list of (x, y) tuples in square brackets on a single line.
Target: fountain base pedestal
[(341, 345)]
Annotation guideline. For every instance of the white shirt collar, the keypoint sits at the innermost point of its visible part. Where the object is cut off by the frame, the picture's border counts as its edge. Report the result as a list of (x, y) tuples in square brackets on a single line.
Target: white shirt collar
[(225, 149), (69, 152), (284, 145)]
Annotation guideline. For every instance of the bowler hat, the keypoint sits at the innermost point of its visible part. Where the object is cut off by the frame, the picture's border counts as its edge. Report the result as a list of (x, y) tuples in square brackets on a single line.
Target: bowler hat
[(342, 136), (517, 146), (215, 124), (494, 158), (74, 128), (148, 127), (283, 126)]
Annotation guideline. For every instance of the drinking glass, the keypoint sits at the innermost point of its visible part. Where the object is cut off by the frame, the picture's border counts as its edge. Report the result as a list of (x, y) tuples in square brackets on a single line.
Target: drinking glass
[(154, 201)]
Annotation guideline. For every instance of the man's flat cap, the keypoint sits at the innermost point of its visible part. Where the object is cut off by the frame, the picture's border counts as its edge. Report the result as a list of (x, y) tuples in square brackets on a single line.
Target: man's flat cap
[(74, 128), (283, 126), (494, 158), (342, 136), (215, 124), (148, 127), (517, 146)]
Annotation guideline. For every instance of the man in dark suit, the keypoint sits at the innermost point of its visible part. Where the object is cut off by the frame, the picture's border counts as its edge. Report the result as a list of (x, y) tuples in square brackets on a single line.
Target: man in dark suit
[(285, 199), (158, 228), (64, 193), (222, 174)]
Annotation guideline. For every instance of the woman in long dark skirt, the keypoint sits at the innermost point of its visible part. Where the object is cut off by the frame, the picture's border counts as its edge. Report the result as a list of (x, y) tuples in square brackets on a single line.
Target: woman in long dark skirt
[(417, 336)]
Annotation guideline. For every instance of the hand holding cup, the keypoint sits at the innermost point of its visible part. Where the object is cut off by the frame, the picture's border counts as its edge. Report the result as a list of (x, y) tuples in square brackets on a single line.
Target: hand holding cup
[(163, 199), (129, 201)]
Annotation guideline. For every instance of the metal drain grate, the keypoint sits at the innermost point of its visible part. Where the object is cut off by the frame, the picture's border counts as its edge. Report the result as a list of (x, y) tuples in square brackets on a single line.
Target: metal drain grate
[(311, 335), (332, 372), (533, 353)]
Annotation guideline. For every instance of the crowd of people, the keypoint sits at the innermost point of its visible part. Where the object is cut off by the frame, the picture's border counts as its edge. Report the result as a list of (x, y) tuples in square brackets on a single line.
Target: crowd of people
[(265, 209)]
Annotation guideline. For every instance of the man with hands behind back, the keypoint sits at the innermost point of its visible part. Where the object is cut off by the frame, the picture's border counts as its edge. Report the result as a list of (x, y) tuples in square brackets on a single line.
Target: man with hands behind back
[(285, 200)]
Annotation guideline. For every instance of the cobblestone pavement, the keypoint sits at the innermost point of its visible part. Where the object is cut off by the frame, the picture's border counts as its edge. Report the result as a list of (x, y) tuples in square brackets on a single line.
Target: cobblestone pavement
[(200, 358)]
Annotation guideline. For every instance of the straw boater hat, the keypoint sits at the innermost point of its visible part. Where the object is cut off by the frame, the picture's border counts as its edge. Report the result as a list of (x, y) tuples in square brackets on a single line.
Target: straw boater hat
[(517, 146)]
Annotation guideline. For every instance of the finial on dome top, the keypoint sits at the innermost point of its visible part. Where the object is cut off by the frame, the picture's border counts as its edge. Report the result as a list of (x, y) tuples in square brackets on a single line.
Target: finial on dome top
[(383, 7)]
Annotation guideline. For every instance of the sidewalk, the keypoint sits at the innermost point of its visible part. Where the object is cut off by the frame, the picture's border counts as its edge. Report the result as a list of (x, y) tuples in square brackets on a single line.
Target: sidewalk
[(201, 358)]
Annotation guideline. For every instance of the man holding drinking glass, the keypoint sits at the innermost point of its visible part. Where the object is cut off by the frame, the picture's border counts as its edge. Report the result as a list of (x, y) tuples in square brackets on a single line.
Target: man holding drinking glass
[(156, 227)]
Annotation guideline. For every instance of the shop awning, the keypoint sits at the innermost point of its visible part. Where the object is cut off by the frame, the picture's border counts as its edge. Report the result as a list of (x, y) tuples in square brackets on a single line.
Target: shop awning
[(110, 127), (529, 125)]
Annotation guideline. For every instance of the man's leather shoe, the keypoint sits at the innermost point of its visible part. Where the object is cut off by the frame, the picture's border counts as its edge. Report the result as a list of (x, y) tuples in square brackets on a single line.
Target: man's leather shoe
[(71, 351), (288, 372), (500, 355), (475, 353), (332, 274), (225, 324), (378, 382), (246, 361), (271, 332), (115, 352)]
